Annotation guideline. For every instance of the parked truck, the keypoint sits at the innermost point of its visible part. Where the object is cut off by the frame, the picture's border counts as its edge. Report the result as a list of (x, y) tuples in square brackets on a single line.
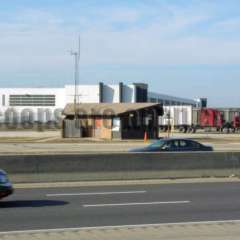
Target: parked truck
[(189, 119), (177, 117)]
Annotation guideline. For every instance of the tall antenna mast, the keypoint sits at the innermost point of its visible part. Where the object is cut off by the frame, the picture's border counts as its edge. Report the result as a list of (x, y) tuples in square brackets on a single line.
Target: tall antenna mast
[(76, 55)]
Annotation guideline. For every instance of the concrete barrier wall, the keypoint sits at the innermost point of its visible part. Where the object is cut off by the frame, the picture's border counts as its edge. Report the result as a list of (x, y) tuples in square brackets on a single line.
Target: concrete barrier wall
[(34, 168)]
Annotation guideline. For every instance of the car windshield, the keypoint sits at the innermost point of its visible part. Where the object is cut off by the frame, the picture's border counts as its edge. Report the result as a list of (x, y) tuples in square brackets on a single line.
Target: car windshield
[(3, 178), (157, 144)]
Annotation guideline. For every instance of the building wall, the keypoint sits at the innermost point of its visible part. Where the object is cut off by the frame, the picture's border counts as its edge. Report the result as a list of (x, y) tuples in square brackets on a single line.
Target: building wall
[(86, 94), (111, 93), (18, 113), (129, 93), (58, 92), (141, 92)]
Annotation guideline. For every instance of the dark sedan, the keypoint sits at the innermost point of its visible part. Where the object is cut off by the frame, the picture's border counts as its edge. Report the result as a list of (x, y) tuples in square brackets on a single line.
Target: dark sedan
[(6, 188), (173, 145)]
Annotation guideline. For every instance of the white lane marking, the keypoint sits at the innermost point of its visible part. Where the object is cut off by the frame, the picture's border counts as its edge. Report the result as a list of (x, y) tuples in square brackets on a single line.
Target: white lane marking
[(133, 204), (94, 193), (120, 227)]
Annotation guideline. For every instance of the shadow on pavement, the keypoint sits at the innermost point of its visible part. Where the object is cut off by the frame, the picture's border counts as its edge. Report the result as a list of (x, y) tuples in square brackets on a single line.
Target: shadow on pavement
[(31, 203)]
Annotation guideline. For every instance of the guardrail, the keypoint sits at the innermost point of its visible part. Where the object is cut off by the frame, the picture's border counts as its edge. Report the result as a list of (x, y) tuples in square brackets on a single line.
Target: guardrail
[(109, 166)]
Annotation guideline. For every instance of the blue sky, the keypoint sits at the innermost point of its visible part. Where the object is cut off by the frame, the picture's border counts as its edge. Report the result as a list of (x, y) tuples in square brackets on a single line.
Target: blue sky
[(187, 48)]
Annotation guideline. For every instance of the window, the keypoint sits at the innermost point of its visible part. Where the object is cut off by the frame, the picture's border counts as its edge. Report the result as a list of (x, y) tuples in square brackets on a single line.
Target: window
[(156, 144), (175, 144), (141, 93), (32, 100), (171, 145), (195, 144), (183, 144)]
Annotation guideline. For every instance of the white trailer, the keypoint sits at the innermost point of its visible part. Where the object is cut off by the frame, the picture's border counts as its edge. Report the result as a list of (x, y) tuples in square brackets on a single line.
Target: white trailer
[(179, 117)]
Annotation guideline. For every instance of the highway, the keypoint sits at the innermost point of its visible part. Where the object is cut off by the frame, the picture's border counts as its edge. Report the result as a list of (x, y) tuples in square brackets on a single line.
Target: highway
[(53, 208), (81, 148)]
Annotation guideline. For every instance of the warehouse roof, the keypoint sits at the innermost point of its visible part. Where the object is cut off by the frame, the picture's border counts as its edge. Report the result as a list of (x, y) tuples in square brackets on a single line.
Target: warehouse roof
[(108, 109)]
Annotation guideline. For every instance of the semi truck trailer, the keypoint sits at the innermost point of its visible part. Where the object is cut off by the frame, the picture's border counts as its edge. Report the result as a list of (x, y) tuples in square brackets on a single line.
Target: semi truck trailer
[(189, 119)]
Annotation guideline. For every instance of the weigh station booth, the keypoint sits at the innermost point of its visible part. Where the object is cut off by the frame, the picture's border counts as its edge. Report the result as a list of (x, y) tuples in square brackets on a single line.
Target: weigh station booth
[(111, 120)]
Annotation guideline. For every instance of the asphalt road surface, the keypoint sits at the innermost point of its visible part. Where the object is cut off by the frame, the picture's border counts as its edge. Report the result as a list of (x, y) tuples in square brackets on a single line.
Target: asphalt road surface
[(53, 148), (51, 208)]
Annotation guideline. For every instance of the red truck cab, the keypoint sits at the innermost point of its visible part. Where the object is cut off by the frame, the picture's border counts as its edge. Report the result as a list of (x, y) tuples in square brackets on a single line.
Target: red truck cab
[(210, 117)]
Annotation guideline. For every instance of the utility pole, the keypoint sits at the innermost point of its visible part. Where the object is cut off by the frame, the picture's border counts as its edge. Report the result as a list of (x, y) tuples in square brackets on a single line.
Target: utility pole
[(76, 55)]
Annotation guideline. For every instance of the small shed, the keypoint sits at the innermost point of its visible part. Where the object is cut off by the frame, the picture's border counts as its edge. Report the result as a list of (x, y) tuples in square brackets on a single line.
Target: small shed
[(111, 120)]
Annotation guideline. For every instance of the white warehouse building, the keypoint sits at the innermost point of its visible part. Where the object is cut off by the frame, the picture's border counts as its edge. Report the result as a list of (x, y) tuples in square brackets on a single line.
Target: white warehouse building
[(46, 104)]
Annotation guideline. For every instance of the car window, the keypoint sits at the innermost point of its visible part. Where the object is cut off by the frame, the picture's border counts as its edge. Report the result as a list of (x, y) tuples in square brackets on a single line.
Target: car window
[(3, 178), (195, 144), (175, 144), (171, 145), (166, 146), (183, 144), (156, 144)]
